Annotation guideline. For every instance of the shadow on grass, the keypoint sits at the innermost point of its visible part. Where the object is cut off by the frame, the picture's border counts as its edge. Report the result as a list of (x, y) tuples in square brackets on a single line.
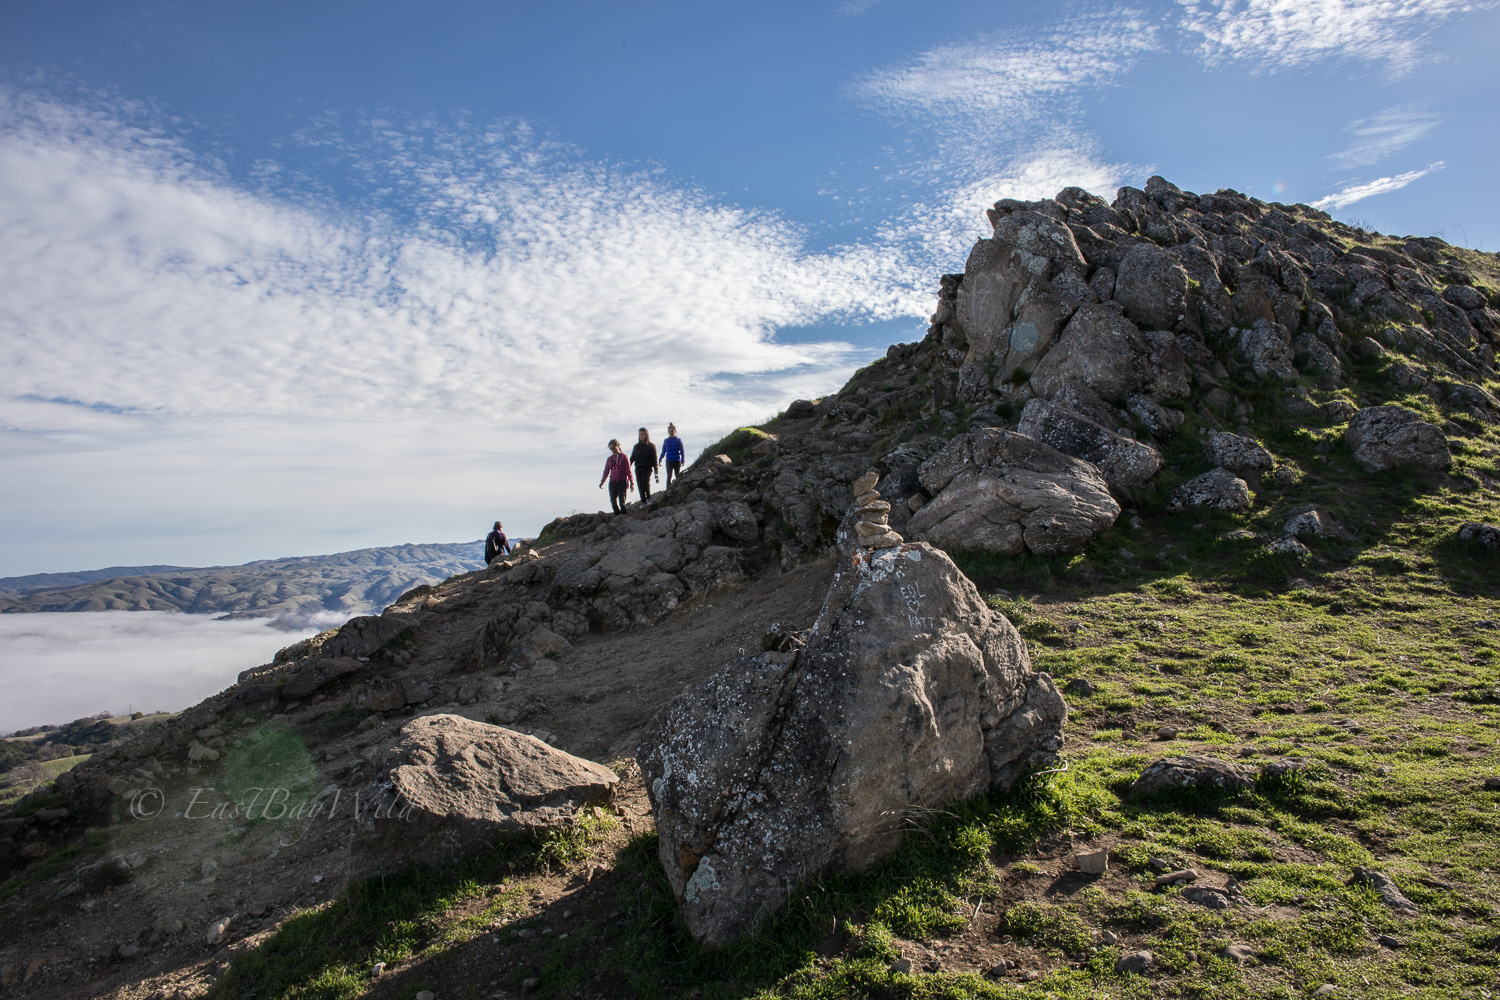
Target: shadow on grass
[(634, 941)]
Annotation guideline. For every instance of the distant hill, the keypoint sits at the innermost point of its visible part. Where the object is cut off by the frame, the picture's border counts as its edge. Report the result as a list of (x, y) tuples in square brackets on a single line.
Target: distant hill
[(56, 581), (296, 589)]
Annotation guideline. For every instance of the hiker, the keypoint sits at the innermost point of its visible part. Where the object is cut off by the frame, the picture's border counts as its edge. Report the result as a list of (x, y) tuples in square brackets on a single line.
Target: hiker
[(617, 471), (672, 454), (495, 544), (643, 457)]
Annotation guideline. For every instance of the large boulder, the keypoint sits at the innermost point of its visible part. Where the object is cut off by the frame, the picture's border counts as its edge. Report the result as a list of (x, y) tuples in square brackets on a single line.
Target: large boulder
[(1240, 455), (1385, 437), (1124, 462), (1153, 288), (999, 491), (910, 694), (451, 785)]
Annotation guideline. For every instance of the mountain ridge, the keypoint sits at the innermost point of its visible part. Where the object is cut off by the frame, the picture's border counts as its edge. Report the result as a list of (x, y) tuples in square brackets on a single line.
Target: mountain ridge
[(291, 588)]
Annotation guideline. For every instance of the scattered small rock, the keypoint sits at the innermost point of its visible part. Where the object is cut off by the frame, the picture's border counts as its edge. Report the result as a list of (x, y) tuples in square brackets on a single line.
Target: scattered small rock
[(1081, 686), (1381, 883), (1166, 733), (129, 951), (1136, 961), (903, 966), (1238, 953), (1486, 535), (1109, 937), (1391, 941), (1093, 862), (1030, 976), (1176, 878), (377, 970), (258, 908), (1492, 784), (217, 931), (1326, 990), (429, 995), (1157, 865)]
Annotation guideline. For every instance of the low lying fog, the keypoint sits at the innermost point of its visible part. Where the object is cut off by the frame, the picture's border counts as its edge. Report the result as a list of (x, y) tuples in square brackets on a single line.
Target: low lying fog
[(55, 668)]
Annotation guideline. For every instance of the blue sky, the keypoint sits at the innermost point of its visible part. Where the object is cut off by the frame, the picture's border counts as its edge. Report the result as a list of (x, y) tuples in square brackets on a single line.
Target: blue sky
[(295, 278)]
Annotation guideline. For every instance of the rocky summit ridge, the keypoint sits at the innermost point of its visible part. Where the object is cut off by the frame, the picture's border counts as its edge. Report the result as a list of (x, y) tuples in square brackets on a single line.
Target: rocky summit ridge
[(1095, 360)]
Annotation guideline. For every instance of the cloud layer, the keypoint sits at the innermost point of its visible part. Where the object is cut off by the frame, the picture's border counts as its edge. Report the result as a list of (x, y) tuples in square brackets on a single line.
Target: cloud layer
[(1276, 35), (1381, 185)]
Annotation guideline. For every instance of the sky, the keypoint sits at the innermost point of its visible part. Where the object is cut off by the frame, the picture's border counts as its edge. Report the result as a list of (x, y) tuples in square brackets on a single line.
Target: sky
[(286, 279)]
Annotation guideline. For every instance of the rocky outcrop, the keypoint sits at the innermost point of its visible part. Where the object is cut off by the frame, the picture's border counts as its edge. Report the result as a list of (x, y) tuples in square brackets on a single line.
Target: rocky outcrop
[(910, 693), (451, 785), (999, 491), (1387, 437), (1190, 774)]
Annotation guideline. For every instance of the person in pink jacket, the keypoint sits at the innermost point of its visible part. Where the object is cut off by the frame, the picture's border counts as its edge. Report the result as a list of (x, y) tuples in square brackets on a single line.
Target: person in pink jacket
[(617, 471)]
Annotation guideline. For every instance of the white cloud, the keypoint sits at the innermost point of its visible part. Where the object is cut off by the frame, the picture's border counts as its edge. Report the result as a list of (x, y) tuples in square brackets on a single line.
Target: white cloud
[(1285, 34), (1385, 133), (999, 82), (1381, 185), (854, 8)]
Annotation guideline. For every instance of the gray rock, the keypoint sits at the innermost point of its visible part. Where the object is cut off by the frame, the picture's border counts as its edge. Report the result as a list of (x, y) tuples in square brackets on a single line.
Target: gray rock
[(1217, 488), (1138, 962), (1339, 411), (1080, 686), (1189, 773), (1240, 953), (1160, 421), (315, 673), (1100, 349), (1125, 463), (1183, 876), (1492, 784), (1093, 862), (1386, 437), (1153, 288), (910, 694), (217, 931), (451, 785), (999, 491), (364, 635), (1037, 235), (1240, 455), (1208, 896), (1474, 533), (1390, 895), (128, 951), (1287, 547), (1391, 941), (1267, 348), (1312, 521), (1464, 296)]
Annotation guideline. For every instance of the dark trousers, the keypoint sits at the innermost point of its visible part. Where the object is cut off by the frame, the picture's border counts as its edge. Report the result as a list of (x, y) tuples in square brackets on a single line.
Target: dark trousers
[(643, 481), (617, 491), (673, 469)]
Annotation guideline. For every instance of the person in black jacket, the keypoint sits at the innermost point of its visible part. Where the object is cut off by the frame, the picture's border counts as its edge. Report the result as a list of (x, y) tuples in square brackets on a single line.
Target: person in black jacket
[(495, 544), (643, 457)]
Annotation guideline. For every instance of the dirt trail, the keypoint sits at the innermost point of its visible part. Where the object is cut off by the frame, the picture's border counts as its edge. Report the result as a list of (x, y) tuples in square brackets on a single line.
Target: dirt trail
[(599, 695)]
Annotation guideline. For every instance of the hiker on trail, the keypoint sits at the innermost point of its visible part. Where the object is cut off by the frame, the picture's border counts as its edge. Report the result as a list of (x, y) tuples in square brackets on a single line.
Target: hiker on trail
[(643, 457), (672, 454), (495, 544), (617, 471)]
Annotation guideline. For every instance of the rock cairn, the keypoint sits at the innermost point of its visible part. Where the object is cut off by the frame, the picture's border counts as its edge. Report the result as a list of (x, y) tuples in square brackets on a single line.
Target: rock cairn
[(873, 527)]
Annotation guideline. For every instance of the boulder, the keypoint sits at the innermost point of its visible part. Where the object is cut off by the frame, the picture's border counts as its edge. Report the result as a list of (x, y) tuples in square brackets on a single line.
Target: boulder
[(1464, 296), (1216, 488), (1240, 455), (1189, 773), (451, 785), (1474, 533), (910, 694), (1100, 349), (1153, 288), (999, 491), (1312, 521), (363, 635), (1386, 437), (1267, 348), (1125, 463)]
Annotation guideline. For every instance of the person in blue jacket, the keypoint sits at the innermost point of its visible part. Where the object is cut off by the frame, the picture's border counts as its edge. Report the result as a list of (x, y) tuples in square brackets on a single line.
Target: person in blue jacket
[(672, 454)]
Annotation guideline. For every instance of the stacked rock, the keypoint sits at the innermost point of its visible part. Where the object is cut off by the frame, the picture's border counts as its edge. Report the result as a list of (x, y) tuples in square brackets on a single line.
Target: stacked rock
[(873, 526)]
